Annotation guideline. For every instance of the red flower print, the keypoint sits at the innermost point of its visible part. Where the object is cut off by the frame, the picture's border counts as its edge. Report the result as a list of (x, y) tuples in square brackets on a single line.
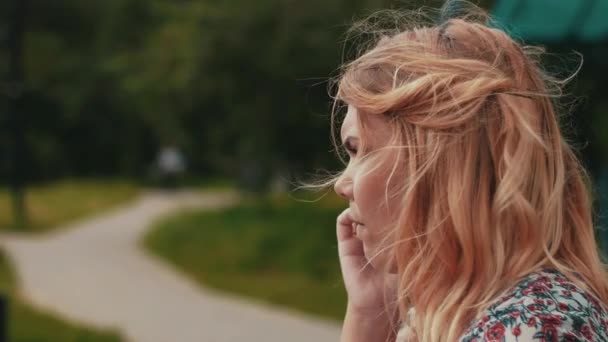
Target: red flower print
[(516, 331), (539, 289), (550, 333), (586, 331), (594, 301), (530, 309), (570, 337), (551, 320), (495, 333), (483, 321)]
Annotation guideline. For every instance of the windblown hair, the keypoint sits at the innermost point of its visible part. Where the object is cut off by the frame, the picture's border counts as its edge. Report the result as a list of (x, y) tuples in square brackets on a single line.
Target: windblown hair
[(491, 189)]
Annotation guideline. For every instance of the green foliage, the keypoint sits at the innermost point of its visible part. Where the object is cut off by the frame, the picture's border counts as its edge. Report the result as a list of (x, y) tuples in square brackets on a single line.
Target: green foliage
[(58, 203), (231, 82), (273, 248), (28, 325), (235, 84)]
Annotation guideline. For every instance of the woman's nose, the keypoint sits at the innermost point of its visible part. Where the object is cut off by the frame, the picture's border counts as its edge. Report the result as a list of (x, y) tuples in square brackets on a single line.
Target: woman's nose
[(343, 187)]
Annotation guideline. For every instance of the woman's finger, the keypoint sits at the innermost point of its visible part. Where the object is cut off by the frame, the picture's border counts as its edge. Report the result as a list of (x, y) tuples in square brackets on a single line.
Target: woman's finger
[(348, 243), (345, 225)]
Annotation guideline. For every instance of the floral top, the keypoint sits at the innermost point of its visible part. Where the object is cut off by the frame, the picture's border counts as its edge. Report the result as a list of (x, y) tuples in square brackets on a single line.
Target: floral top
[(543, 306)]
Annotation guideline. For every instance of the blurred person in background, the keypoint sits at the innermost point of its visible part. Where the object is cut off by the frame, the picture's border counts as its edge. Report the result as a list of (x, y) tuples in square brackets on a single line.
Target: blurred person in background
[(470, 217), (171, 166)]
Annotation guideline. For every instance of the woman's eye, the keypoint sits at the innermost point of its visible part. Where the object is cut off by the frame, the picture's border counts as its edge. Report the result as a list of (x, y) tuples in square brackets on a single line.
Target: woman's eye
[(350, 148)]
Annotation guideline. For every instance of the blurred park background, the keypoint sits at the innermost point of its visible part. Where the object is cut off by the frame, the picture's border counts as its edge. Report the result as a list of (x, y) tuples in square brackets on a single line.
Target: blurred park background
[(102, 101)]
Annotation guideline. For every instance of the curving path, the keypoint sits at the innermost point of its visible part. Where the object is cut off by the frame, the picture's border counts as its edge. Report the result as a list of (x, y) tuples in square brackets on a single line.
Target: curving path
[(96, 273)]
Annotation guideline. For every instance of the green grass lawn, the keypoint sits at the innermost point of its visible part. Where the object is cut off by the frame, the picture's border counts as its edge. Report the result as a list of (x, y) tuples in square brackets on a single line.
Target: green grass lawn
[(274, 248), (50, 206), (28, 325)]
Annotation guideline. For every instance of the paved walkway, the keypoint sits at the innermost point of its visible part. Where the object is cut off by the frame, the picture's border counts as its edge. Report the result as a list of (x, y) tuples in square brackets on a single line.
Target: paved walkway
[(95, 272)]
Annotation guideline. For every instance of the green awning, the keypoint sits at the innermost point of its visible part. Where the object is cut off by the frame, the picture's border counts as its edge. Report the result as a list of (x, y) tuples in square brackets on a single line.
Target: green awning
[(554, 20)]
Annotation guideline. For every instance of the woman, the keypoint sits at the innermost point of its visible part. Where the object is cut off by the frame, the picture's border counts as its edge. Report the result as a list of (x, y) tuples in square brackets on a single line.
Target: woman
[(469, 214)]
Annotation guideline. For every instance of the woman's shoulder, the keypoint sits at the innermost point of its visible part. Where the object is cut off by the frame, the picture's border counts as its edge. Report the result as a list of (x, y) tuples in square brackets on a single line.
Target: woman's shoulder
[(543, 306)]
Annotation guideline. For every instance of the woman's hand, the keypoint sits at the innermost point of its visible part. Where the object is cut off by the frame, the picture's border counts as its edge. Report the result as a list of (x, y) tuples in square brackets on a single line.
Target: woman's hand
[(364, 284), (367, 318)]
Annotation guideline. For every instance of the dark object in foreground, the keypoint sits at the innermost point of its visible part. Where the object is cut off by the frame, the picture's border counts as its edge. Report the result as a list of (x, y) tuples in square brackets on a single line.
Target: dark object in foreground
[(3, 318)]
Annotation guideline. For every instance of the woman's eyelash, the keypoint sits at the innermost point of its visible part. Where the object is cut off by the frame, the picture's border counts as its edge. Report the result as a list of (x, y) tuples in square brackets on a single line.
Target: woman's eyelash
[(350, 149)]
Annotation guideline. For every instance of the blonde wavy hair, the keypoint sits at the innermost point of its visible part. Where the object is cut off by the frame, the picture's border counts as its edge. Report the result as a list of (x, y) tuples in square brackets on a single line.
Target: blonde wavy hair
[(492, 190)]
